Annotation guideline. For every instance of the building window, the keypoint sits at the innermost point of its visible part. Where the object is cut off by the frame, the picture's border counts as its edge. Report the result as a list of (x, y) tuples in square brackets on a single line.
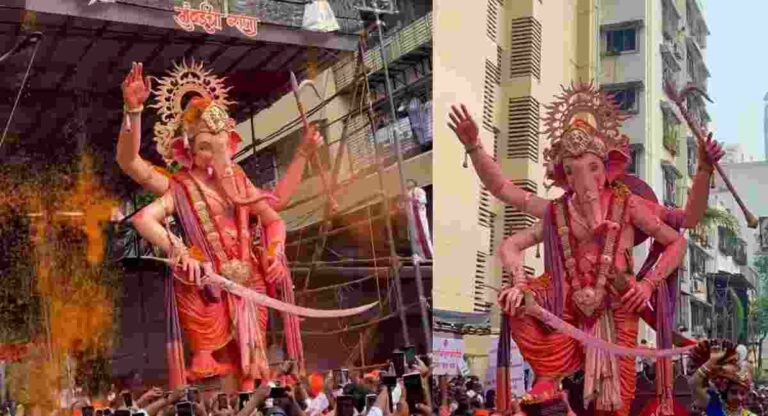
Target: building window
[(634, 158), (670, 186), (626, 98), (620, 41), (692, 156)]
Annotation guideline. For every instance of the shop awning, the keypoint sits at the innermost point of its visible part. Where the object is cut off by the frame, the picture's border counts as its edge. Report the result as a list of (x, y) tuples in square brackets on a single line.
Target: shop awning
[(462, 322)]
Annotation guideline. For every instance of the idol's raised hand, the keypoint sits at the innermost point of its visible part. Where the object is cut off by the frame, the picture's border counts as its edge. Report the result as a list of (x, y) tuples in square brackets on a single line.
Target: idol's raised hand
[(136, 87), (710, 153), (463, 125)]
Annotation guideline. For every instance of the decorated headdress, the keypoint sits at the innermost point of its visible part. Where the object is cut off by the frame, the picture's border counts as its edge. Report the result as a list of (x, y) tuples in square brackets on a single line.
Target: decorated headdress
[(582, 120), (180, 83)]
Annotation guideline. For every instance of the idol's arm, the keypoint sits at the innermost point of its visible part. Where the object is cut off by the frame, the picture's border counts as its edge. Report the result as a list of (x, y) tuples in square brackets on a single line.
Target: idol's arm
[(275, 230), (697, 197), (129, 160), (291, 179), (511, 251), (492, 177), (669, 260), (149, 222), (136, 88), (709, 153)]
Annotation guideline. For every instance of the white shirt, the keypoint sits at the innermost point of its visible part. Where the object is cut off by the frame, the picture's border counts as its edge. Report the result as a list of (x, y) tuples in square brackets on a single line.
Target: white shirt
[(318, 405)]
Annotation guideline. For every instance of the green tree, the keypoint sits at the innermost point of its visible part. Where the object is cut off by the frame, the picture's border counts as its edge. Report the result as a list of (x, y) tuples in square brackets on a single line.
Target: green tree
[(761, 266), (759, 312)]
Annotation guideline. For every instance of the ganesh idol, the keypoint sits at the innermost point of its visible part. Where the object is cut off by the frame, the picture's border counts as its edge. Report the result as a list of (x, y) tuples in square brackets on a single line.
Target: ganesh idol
[(588, 233), (231, 227)]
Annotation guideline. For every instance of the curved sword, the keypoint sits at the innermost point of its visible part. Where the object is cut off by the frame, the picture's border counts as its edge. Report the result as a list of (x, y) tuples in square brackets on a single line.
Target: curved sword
[(547, 317), (533, 309), (264, 300)]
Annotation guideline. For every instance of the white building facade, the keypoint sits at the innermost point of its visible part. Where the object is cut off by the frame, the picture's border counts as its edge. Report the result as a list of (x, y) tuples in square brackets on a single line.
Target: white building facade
[(643, 45)]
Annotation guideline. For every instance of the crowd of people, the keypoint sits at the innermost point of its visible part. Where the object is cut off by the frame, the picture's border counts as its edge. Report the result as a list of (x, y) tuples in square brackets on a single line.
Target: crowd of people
[(290, 393), (721, 384)]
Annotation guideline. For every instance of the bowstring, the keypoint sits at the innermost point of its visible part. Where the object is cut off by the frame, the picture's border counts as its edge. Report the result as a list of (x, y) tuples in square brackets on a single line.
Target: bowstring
[(18, 96)]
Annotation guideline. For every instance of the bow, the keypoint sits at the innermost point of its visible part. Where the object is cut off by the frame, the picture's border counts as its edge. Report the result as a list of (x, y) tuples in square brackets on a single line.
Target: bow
[(296, 87), (31, 39)]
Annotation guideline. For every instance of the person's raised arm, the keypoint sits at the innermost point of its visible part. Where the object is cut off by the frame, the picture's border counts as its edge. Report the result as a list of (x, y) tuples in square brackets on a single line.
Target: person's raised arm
[(259, 397), (136, 90), (489, 172)]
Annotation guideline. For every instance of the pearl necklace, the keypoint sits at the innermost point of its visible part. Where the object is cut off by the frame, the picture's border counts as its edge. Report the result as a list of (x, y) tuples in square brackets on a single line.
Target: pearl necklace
[(738, 412)]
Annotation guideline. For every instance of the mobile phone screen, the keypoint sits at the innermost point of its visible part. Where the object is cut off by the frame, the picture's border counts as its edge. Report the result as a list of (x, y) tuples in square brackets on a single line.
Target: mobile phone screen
[(122, 412), (192, 395), (390, 382), (184, 409), (340, 378), (277, 393), (414, 390), (345, 406), (370, 400), (410, 353), (127, 400), (88, 411), (243, 399), (223, 401), (398, 360)]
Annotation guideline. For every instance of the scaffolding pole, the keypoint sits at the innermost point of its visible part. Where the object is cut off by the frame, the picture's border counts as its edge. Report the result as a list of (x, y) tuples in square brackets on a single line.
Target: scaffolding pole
[(426, 327)]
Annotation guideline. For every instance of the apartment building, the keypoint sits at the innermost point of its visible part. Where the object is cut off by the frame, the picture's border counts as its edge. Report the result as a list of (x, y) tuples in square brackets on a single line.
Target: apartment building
[(643, 45), (736, 251), (521, 53)]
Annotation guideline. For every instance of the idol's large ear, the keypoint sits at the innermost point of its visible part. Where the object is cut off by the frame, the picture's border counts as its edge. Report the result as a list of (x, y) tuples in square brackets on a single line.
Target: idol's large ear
[(181, 153), (556, 175), (616, 163), (234, 141)]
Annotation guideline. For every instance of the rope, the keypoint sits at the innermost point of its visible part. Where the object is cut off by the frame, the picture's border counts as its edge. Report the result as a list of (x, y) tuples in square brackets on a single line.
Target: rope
[(18, 96), (375, 265), (340, 285)]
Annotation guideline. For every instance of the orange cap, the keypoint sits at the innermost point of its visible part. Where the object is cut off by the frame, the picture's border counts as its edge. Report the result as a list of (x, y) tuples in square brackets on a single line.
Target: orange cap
[(316, 383)]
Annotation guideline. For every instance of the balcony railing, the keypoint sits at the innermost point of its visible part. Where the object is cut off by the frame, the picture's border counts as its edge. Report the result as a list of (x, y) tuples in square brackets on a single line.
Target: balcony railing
[(401, 43), (696, 23)]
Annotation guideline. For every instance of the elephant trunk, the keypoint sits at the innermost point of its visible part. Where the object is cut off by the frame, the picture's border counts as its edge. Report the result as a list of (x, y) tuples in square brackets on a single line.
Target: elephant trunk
[(224, 169), (589, 202)]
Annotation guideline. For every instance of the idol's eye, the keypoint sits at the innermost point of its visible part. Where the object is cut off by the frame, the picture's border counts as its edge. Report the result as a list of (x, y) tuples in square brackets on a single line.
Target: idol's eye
[(204, 147), (594, 167), (568, 171)]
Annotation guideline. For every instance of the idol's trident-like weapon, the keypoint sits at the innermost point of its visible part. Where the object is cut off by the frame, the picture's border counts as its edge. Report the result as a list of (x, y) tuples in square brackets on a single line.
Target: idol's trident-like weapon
[(296, 87), (678, 98)]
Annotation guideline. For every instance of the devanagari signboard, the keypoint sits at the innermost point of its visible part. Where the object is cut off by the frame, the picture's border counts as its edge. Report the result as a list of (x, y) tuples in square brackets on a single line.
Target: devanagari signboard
[(211, 20)]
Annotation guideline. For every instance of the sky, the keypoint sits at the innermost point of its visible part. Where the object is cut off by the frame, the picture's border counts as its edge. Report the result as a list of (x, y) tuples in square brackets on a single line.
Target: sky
[(738, 65)]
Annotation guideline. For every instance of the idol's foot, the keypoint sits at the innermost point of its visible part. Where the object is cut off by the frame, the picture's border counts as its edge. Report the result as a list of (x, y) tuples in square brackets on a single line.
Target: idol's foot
[(543, 390), (257, 369), (205, 366), (247, 384)]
